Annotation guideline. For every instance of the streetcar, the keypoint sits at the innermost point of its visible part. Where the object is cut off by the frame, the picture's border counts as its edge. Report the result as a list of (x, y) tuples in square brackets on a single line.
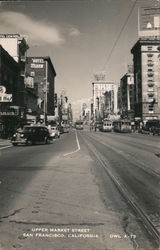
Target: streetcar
[(79, 124), (122, 126), (107, 126)]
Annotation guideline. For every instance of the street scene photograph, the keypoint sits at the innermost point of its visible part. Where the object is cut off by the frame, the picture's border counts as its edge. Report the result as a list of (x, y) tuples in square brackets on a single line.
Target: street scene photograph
[(80, 125)]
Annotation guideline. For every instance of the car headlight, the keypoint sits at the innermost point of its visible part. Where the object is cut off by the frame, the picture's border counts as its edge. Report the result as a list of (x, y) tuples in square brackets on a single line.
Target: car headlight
[(22, 135), (14, 135)]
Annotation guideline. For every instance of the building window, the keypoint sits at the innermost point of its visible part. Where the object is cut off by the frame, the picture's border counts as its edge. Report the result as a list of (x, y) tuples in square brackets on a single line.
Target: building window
[(32, 73), (149, 47), (149, 55), (150, 61), (150, 75), (150, 99), (150, 64), (150, 108), (150, 95), (150, 70), (150, 89)]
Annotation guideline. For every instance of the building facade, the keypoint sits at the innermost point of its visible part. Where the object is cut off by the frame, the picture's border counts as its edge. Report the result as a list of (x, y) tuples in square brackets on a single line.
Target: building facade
[(40, 77), (146, 58), (127, 95), (11, 105)]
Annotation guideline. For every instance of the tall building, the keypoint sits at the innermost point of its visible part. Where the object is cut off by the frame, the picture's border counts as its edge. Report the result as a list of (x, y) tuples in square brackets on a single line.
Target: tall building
[(40, 76), (100, 89), (146, 57), (11, 105)]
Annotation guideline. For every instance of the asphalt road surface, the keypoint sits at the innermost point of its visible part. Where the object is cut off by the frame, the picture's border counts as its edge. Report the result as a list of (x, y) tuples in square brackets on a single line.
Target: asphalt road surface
[(58, 196)]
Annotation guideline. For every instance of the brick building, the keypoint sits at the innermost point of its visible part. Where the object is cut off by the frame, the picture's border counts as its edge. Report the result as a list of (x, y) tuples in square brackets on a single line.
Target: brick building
[(42, 71)]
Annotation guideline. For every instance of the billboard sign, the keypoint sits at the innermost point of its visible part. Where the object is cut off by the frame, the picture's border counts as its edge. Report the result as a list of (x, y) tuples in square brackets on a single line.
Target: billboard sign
[(149, 21)]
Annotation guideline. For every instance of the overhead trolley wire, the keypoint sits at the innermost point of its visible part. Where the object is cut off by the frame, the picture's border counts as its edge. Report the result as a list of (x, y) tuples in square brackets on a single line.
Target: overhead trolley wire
[(119, 35)]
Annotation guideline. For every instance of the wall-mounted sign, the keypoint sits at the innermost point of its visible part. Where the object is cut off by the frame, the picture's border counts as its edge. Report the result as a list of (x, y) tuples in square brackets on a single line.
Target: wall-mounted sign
[(149, 21), (6, 113), (29, 82), (36, 66), (9, 35), (37, 60), (6, 98), (3, 96), (130, 79), (2, 89)]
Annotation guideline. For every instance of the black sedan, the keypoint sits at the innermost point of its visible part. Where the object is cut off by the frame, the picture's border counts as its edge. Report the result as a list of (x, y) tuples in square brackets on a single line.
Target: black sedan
[(30, 135)]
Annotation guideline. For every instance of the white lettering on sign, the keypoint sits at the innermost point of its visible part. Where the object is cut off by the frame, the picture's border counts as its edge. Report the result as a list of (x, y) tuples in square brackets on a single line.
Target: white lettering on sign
[(37, 60), (36, 66), (6, 98), (8, 113), (9, 35), (2, 89)]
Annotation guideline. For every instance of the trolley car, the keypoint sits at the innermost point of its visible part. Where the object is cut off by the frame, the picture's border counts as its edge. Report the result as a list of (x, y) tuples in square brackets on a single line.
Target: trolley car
[(79, 124), (122, 126), (107, 126)]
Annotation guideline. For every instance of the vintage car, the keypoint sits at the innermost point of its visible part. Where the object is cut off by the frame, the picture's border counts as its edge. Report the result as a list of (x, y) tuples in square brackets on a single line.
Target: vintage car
[(54, 132), (30, 135)]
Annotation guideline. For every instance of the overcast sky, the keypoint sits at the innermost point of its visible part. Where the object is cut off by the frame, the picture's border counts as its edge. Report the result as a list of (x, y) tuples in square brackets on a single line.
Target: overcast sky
[(78, 35)]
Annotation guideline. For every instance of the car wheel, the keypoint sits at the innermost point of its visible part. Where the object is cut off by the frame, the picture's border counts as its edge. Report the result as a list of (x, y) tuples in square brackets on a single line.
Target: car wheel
[(14, 143)]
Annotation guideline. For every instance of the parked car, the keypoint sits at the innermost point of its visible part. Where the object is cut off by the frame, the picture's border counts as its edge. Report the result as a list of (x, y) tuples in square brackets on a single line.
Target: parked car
[(30, 135), (54, 132), (151, 127)]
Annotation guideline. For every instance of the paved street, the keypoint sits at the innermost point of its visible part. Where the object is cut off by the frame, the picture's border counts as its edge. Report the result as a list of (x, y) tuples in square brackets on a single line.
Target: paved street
[(58, 196)]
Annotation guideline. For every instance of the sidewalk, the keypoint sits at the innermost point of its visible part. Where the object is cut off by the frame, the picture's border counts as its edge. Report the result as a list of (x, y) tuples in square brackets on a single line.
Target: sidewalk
[(4, 142)]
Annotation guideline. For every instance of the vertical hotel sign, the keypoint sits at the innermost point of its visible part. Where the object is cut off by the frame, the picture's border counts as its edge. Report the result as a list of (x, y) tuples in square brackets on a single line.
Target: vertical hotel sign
[(149, 22)]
